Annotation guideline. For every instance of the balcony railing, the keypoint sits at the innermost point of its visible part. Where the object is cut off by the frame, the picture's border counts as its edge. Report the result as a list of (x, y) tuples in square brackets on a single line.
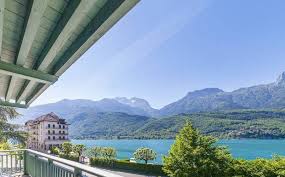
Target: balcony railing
[(56, 139), (57, 134), (51, 127), (37, 164)]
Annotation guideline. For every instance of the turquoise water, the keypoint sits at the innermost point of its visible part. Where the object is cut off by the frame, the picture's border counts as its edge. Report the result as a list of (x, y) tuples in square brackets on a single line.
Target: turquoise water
[(244, 148)]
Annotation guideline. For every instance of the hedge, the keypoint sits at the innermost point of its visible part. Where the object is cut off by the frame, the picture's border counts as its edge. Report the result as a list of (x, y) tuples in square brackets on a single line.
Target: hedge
[(69, 157), (128, 166)]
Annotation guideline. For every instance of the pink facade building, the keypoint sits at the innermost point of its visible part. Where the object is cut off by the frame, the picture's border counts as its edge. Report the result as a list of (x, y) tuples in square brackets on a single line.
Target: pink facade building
[(46, 131)]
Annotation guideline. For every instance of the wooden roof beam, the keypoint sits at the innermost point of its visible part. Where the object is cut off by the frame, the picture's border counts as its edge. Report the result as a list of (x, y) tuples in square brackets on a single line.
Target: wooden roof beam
[(10, 104), (29, 33), (73, 14), (104, 14), (96, 28), (25, 73), (2, 9)]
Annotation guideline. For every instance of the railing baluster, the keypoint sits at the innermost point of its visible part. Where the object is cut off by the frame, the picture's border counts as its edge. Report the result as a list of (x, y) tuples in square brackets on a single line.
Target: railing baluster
[(49, 168), (35, 166), (56, 171), (7, 163), (2, 166), (11, 163), (15, 163), (25, 159), (53, 171), (41, 168), (20, 159), (77, 172), (14, 166)]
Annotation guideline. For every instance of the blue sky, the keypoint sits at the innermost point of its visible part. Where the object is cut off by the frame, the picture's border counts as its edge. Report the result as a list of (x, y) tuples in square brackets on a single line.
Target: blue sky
[(163, 49)]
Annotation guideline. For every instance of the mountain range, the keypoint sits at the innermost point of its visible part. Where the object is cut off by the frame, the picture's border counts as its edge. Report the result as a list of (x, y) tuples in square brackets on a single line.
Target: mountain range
[(124, 115), (206, 100)]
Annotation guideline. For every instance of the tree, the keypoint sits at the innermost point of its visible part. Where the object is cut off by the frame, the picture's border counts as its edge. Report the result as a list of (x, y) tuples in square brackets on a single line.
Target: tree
[(66, 148), (78, 148), (95, 152), (145, 154), (109, 152), (9, 131), (195, 155)]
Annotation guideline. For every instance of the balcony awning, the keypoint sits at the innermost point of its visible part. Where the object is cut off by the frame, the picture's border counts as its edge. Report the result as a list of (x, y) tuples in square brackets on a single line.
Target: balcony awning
[(41, 39)]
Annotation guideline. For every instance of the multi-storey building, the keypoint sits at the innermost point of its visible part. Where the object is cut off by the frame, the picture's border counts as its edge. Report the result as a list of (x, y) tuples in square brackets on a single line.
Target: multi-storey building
[(46, 131)]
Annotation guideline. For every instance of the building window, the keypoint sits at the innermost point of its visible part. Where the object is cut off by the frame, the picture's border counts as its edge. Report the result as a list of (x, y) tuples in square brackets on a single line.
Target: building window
[(53, 137), (53, 132), (59, 126), (63, 132), (49, 137), (63, 137), (63, 126), (59, 132), (48, 125), (60, 137), (53, 126)]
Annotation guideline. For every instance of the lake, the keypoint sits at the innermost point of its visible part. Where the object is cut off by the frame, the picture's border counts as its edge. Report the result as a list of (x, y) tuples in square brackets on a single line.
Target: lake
[(240, 148)]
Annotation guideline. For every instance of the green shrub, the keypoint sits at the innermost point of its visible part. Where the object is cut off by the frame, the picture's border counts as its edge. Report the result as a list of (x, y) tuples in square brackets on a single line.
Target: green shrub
[(5, 146), (145, 168), (78, 148), (103, 162), (260, 167), (67, 148), (55, 150), (69, 157), (126, 165)]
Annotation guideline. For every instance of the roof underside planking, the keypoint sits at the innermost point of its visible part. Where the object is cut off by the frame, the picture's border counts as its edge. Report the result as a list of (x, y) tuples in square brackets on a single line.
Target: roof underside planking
[(41, 39)]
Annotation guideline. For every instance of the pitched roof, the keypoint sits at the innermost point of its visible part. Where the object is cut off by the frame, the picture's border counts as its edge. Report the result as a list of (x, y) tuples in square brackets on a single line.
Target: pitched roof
[(52, 117)]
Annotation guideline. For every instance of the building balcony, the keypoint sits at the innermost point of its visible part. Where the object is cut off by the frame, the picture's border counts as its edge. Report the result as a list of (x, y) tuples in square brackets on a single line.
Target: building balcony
[(56, 128), (56, 134), (36, 164), (56, 139)]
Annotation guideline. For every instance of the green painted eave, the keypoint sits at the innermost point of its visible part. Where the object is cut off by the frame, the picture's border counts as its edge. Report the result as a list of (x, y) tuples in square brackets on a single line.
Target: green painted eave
[(41, 39)]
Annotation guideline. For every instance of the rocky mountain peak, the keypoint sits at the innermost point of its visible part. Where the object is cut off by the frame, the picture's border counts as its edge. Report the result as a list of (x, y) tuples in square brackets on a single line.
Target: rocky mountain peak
[(281, 78), (134, 102), (204, 92)]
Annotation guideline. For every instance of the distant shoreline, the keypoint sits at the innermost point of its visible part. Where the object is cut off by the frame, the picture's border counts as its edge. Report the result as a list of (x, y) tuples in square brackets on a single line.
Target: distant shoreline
[(240, 148), (174, 139)]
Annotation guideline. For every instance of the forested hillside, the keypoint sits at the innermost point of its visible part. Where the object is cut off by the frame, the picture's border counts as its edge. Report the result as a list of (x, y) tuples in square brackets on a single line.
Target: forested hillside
[(230, 124)]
